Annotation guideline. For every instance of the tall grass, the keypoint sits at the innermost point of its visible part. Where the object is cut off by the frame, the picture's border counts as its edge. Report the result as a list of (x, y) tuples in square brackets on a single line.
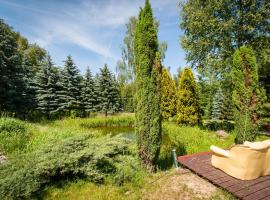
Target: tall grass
[(113, 121), (191, 140), (14, 135)]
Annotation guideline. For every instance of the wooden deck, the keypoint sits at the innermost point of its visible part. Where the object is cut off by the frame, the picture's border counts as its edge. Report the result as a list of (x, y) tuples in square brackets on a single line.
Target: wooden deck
[(258, 189)]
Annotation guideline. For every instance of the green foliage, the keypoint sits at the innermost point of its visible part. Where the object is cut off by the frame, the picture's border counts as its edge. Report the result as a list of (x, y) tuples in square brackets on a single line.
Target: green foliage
[(88, 93), (247, 96), (14, 135), (109, 96), (129, 171), (218, 104), (81, 156), (216, 29), (71, 87), (168, 100), (12, 81), (148, 95), (46, 90), (188, 110), (189, 140), (214, 125)]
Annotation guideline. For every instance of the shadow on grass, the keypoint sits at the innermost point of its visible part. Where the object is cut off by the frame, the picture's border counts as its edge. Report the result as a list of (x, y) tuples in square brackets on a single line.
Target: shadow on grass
[(166, 159)]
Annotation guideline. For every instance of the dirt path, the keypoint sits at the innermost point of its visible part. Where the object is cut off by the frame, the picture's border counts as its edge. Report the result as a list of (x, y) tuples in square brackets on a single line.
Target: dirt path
[(184, 185)]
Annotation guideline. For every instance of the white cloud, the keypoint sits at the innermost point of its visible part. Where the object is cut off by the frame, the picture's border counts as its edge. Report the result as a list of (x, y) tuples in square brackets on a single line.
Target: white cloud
[(88, 24)]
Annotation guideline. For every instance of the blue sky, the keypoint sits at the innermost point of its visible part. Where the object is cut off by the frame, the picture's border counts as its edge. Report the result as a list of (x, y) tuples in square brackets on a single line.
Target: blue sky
[(91, 31)]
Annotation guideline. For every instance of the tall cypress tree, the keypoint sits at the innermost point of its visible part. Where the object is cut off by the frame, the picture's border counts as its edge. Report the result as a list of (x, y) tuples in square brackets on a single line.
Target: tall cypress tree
[(148, 97), (88, 92), (188, 109), (168, 100), (71, 86), (108, 92), (46, 80), (247, 96)]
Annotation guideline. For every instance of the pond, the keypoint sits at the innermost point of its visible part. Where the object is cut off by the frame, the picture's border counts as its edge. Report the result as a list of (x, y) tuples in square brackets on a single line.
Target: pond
[(167, 145)]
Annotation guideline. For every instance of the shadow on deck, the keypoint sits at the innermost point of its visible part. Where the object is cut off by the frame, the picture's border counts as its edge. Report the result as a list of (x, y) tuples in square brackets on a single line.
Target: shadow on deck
[(200, 163)]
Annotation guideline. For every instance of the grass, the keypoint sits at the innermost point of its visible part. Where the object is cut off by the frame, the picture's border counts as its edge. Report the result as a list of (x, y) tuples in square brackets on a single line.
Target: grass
[(128, 182), (189, 140)]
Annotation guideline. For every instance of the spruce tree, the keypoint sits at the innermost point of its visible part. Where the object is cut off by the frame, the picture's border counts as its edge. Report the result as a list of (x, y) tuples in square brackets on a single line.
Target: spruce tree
[(46, 80), (247, 96), (108, 92), (88, 92), (148, 90), (12, 82), (188, 109), (218, 104), (71, 86), (168, 100)]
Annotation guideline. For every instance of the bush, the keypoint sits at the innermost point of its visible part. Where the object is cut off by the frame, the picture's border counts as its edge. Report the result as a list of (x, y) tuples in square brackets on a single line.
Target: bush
[(214, 125), (14, 135), (77, 157)]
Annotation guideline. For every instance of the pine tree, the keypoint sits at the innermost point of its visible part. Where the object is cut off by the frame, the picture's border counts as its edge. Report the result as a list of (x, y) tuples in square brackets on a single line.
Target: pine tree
[(247, 96), (188, 110), (12, 82), (218, 104), (108, 92), (88, 92), (71, 87), (148, 90), (168, 100), (46, 80)]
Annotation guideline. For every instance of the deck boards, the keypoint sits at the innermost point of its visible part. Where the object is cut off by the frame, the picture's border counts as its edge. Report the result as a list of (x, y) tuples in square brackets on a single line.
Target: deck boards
[(200, 163)]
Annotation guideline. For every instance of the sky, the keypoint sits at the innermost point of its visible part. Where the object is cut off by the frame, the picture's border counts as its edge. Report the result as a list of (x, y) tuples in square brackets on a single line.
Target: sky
[(91, 31)]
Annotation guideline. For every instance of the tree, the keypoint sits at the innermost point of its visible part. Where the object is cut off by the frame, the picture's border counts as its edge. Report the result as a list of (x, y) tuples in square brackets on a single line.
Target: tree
[(218, 104), (46, 80), (88, 92), (108, 92), (12, 82), (168, 100), (247, 96), (188, 110), (71, 87), (148, 87), (215, 29)]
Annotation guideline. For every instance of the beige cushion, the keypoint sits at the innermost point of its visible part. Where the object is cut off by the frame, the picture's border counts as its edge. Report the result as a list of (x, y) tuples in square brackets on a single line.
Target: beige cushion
[(248, 161)]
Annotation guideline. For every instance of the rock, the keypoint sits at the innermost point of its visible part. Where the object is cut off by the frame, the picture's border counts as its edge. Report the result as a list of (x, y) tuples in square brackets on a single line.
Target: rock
[(3, 159), (222, 133)]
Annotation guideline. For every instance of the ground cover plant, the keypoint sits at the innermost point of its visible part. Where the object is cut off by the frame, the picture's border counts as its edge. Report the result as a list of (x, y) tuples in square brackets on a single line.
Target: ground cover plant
[(79, 156)]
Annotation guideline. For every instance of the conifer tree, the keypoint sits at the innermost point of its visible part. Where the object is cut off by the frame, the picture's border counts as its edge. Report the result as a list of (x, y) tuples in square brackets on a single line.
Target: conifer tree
[(88, 92), (247, 96), (188, 110), (148, 95), (12, 82), (108, 92), (168, 100), (218, 104), (46, 80), (71, 86)]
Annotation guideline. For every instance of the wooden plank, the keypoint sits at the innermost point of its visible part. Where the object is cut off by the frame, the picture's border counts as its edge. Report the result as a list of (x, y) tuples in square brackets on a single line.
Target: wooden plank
[(258, 189), (247, 184), (259, 195), (252, 189)]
